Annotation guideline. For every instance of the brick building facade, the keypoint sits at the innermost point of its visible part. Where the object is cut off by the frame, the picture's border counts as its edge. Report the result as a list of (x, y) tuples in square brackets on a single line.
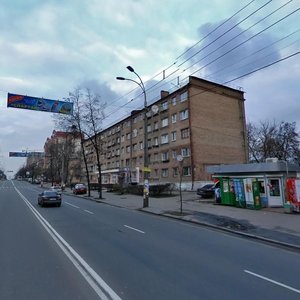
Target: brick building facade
[(202, 121)]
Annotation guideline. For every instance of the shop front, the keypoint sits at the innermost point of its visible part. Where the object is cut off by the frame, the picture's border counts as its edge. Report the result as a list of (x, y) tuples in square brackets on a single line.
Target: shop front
[(255, 185)]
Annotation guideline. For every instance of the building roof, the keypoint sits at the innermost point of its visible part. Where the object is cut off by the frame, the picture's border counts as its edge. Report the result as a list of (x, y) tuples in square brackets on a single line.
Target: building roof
[(255, 168)]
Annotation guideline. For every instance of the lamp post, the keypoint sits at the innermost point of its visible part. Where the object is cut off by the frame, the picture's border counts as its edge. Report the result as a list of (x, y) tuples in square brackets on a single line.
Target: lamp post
[(146, 169)]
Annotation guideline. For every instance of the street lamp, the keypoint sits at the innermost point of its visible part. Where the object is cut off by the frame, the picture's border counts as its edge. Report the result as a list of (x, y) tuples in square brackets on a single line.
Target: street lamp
[(146, 165)]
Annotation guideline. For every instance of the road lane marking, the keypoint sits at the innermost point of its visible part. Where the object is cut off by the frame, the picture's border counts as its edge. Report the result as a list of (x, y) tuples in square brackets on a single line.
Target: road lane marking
[(71, 204), (273, 281), (89, 212), (140, 231), (102, 289)]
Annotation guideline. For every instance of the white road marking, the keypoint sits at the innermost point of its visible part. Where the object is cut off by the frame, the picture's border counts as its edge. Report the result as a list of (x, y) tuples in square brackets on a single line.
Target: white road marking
[(89, 212), (96, 282), (273, 281), (140, 231), (71, 205)]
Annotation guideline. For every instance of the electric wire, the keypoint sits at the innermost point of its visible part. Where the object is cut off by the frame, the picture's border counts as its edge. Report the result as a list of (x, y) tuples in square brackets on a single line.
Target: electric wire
[(227, 31), (169, 75), (245, 41), (156, 84), (219, 26), (233, 79), (242, 32), (202, 39), (255, 52)]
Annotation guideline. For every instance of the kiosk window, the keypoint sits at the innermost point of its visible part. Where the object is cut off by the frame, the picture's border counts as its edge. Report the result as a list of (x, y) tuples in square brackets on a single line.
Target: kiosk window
[(261, 187), (274, 188)]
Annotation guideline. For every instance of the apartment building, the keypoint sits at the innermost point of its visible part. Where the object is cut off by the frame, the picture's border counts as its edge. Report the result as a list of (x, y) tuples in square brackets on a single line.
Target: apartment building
[(62, 160), (202, 121)]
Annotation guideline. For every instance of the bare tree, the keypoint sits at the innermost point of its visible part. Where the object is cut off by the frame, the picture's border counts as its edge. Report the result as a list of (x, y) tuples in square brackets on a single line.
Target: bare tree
[(93, 117), (88, 113), (271, 139)]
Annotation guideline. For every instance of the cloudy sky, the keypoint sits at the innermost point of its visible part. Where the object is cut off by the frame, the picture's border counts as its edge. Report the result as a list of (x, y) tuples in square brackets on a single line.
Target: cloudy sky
[(50, 47)]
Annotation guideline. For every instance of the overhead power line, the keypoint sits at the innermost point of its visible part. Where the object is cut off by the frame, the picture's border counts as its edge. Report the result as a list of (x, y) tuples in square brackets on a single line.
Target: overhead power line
[(227, 31), (263, 67)]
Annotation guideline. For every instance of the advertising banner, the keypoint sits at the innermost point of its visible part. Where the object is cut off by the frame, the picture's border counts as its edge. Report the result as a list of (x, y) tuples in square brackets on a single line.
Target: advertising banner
[(39, 104), (248, 192), (26, 154)]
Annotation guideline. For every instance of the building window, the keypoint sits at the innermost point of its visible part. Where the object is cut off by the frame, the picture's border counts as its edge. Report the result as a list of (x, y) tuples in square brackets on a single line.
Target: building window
[(174, 154), (175, 172), (173, 136), (164, 139), (134, 120), (155, 125), (118, 140), (128, 136), (122, 138), (184, 114), (186, 171), (174, 118), (133, 162), (174, 101), (155, 159), (164, 173), (164, 105), (155, 141), (149, 128), (141, 146), (185, 152), (165, 156), (122, 150), (164, 122), (149, 143), (134, 147), (134, 133), (128, 149), (185, 133), (183, 96), (127, 162)]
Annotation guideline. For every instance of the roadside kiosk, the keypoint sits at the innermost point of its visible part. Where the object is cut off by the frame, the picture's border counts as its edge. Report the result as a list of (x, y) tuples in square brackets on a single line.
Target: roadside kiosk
[(258, 185)]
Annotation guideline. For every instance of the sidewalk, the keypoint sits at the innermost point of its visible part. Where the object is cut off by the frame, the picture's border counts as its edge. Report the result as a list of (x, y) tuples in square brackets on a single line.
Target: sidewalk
[(270, 224)]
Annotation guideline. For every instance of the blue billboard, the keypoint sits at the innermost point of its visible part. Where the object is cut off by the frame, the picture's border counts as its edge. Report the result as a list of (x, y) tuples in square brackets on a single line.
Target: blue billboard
[(26, 154), (39, 104)]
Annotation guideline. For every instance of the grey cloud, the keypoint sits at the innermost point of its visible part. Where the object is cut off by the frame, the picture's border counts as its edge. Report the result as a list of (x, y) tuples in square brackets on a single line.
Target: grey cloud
[(213, 61)]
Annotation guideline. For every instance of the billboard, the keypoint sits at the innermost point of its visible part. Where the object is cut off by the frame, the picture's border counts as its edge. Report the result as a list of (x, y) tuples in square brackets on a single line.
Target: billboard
[(39, 104), (26, 154)]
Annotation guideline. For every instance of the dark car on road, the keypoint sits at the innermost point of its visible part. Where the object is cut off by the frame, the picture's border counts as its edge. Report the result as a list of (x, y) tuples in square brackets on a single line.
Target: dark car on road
[(79, 188), (208, 190), (49, 197)]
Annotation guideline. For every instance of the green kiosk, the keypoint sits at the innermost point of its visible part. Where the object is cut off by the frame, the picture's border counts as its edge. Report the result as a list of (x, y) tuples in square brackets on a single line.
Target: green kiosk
[(240, 192)]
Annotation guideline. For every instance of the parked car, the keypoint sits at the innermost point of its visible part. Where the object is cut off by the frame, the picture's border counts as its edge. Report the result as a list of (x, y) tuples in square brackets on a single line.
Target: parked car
[(208, 190), (56, 188), (49, 197), (79, 188)]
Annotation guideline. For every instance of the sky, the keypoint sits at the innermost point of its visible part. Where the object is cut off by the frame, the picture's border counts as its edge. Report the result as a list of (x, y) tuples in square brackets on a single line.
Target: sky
[(49, 48)]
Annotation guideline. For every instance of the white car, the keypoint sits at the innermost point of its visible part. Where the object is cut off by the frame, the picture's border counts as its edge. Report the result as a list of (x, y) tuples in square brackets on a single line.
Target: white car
[(56, 188)]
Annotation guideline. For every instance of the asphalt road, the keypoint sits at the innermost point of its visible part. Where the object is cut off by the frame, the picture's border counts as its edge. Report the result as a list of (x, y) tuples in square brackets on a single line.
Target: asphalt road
[(89, 250)]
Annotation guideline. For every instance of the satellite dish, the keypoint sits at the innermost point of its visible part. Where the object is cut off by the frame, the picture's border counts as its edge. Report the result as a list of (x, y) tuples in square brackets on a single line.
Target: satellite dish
[(154, 109), (179, 157)]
